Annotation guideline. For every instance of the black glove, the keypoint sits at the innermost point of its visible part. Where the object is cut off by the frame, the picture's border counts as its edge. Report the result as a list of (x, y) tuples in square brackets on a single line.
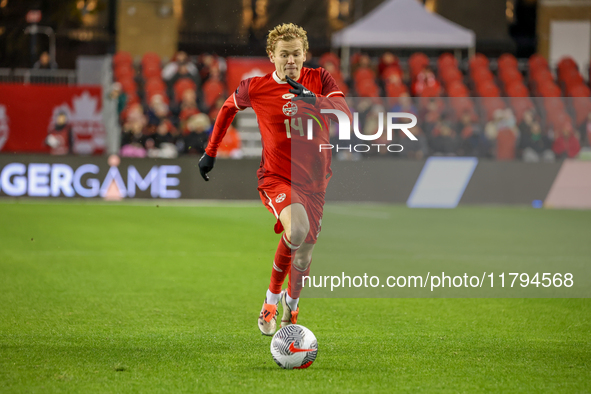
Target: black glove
[(205, 165), (301, 92)]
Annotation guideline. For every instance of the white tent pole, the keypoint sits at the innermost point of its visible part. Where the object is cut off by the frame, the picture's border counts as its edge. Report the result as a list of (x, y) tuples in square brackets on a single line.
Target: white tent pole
[(345, 65)]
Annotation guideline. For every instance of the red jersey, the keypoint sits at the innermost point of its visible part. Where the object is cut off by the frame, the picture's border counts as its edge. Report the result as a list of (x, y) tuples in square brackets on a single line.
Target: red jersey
[(287, 152)]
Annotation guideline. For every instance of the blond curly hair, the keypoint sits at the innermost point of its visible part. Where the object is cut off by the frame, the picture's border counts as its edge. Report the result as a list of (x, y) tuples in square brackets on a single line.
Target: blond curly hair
[(286, 32)]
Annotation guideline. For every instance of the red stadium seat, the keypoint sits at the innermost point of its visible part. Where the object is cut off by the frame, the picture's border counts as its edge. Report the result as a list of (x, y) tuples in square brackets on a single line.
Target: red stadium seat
[(479, 61), (580, 90), (122, 57), (506, 144), (507, 60), (367, 88), (520, 105), (491, 104), (517, 89), (582, 106), (488, 89), (510, 76), (537, 62), (151, 70), (393, 90), (124, 71), (549, 89), (450, 74), (151, 58), (363, 73), (154, 83), (212, 90), (481, 74), (446, 60), (416, 63), (181, 85), (330, 57), (128, 85), (457, 89)]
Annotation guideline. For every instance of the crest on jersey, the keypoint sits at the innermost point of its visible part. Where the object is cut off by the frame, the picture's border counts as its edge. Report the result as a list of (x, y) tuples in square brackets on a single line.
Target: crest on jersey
[(288, 96), (280, 198), (290, 108)]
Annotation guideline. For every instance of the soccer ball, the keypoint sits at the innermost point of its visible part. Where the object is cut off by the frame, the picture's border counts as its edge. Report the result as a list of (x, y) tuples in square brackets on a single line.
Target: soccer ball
[(294, 347)]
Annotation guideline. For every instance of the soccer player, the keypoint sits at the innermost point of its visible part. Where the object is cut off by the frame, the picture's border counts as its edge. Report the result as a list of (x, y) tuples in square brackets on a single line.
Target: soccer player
[(294, 172)]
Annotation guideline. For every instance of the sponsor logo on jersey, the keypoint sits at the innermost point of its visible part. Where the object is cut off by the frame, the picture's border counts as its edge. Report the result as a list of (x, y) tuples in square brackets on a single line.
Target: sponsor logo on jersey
[(288, 96), (290, 108), (280, 198)]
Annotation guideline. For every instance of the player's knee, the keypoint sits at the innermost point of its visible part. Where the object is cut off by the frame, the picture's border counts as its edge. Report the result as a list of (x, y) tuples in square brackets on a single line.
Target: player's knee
[(302, 263), (299, 232)]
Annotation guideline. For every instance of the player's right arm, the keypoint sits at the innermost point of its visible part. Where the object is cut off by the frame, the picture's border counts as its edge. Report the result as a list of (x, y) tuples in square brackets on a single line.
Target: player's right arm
[(237, 101)]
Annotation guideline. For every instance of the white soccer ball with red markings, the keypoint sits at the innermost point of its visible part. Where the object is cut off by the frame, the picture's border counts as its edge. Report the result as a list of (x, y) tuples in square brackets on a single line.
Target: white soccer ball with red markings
[(294, 347)]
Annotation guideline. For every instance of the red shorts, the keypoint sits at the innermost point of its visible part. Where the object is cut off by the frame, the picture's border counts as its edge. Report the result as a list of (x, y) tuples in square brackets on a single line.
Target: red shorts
[(277, 195)]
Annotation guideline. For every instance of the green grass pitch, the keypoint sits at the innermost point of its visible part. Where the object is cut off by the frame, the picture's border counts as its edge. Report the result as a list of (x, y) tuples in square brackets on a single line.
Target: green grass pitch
[(139, 298)]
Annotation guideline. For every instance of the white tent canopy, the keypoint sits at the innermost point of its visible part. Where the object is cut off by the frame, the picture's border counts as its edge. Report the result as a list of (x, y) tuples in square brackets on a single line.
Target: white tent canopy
[(404, 24)]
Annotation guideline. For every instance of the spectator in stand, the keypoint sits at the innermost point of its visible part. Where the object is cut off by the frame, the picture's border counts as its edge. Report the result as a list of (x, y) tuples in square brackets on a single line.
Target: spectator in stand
[(507, 135), (158, 112), (187, 108), (405, 104), (205, 64), (231, 144), (534, 145), (119, 95), (172, 69), (566, 144), (161, 144), (425, 79), (133, 133), (183, 72), (471, 136), (197, 136), (432, 115), (60, 138), (389, 61), (443, 139), (416, 150), (45, 62)]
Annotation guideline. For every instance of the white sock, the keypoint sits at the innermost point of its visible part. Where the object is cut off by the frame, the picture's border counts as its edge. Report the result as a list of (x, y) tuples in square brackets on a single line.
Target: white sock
[(293, 303), (272, 298)]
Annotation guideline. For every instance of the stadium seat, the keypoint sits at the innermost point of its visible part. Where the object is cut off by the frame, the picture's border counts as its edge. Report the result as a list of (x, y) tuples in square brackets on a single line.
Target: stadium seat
[(151, 70), (367, 88), (122, 57), (488, 89), (128, 85), (457, 89), (330, 57), (491, 104), (181, 85), (416, 63), (450, 74), (481, 74), (363, 73), (520, 105), (507, 61), (154, 83), (212, 90), (510, 76), (506, 144), (124, 71), (151, 58), (478, 61), (447, 60), (580, 90), (517, 89), (549, 89)]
